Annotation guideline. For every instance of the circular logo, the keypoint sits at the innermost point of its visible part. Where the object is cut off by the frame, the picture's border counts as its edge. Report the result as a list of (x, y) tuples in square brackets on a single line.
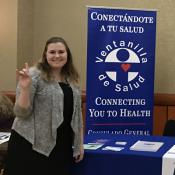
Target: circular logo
[(122, 66)]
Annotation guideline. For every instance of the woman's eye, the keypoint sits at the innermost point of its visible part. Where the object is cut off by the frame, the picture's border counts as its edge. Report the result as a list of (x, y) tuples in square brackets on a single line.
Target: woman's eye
[(61, 52), (58, 52), (52, 52)]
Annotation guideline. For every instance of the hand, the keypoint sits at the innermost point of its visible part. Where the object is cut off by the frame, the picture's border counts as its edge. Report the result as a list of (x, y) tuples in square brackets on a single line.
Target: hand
[(79, 157), (23, 77)]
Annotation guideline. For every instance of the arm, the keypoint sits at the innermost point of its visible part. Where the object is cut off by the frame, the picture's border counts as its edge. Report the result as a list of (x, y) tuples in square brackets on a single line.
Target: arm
[(81, 151), (78, 128), (23, 105), (24, 81), (23, 99), (81, 155)]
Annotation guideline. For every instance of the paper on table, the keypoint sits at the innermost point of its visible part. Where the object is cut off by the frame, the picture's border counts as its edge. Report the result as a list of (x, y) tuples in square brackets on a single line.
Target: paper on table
[(120, 143), (4, 137), (102, 140), (113, 148), (92, 146), (146, 146)]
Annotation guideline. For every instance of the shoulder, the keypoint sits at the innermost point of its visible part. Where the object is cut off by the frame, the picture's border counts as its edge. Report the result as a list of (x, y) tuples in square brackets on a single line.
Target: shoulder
[(74, 86), (34, 72)]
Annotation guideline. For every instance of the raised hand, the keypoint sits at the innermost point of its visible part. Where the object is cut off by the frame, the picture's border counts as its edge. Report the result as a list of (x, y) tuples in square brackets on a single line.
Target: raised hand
[(23, 77)]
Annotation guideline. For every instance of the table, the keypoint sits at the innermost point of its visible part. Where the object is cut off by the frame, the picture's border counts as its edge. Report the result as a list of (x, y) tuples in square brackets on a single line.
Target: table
[(124, 162)]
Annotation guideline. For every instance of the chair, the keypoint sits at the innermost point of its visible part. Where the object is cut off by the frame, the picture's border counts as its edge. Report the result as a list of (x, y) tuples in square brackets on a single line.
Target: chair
[(6, 119), (169, 129)]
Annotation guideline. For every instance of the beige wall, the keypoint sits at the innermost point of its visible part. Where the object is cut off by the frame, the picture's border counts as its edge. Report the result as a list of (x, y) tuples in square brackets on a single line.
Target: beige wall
[(40, 19), (25, 33), (8, 43)]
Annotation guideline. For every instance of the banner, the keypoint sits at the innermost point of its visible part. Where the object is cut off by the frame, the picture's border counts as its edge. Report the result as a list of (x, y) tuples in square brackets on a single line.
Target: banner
[(120, 71)]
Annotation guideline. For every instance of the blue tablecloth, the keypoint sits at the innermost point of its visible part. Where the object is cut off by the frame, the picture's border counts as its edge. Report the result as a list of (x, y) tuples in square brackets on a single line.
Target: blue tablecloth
[(124, 162)]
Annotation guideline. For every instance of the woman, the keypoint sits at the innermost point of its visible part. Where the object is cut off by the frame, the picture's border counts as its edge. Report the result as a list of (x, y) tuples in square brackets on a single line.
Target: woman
[(47, 133)]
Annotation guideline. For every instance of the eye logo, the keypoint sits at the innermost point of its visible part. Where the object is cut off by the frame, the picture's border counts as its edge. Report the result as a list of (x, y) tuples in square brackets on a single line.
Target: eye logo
[(123, 66)]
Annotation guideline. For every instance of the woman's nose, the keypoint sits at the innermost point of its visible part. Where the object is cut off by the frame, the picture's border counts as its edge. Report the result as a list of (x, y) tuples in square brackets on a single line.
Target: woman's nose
[(57, 54)]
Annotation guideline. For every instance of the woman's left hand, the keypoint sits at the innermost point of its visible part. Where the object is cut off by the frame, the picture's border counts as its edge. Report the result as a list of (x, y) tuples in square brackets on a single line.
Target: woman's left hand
[(79, 157)]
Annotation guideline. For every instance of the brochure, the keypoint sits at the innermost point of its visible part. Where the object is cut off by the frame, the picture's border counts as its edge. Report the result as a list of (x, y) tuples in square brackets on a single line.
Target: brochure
[(113, 148), (102, 140), (93, 146), (146, 146), (120, 143)]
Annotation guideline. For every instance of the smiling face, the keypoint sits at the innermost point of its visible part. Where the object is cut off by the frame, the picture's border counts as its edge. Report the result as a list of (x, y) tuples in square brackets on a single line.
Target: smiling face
[(56, 55)]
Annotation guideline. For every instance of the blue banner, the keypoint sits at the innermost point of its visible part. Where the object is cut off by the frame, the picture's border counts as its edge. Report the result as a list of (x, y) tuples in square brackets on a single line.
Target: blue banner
[(120, 71)]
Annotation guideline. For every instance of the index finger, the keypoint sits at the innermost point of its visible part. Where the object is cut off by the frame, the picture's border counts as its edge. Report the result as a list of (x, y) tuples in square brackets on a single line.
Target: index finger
[(27, 66)]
